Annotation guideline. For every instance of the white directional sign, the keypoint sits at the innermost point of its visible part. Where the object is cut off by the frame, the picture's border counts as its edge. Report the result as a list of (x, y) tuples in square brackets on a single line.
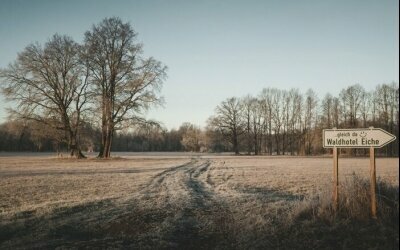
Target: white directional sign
[(357, 138)]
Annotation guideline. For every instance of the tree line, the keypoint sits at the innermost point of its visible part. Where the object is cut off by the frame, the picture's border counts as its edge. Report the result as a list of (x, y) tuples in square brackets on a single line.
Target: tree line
[(32, 136), (287, 122), (276, 122)]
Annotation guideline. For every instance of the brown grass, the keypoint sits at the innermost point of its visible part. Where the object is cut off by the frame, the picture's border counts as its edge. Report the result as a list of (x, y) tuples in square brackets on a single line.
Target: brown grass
[(175, 201)]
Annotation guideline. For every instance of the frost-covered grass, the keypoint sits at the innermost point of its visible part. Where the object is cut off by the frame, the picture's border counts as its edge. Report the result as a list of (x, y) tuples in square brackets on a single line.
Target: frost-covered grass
[(201, 201)]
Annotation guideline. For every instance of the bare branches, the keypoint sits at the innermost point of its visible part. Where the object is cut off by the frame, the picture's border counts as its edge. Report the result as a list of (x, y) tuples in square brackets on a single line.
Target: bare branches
[(45, 81), (125, 83), (229, 121)]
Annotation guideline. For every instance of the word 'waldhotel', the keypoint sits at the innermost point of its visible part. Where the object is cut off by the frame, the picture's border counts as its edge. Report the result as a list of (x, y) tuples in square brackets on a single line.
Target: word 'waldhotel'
[(350, 142)]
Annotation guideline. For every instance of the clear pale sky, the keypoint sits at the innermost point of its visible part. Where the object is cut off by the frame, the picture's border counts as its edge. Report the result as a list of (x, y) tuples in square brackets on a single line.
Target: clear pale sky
[(218, 49)]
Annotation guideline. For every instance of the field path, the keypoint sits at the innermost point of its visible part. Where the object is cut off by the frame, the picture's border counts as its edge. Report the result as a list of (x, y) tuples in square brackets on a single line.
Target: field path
[(190, 204)]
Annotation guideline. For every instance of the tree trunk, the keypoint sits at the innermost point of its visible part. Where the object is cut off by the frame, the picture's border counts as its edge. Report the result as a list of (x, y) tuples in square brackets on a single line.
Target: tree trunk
[(107, 148), (270, 134), (107, 128), (277, 143), (255, 141), (75, 152), (103, 128), (256, 151), (248, 135), (235, 144), (107, 141), (103, 142)]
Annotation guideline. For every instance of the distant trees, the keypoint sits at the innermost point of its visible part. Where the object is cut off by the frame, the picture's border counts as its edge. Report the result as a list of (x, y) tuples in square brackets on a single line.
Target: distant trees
[(288, 122), (153, 137), (193, 138), (56, 84), (386, 113)]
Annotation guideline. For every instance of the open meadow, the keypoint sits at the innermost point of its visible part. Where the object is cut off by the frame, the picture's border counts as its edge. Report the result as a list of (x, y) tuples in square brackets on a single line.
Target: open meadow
[(167, 201)]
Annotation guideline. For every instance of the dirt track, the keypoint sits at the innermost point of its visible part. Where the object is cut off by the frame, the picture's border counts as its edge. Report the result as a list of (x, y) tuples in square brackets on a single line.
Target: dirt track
[(192, 212), (192, 205)]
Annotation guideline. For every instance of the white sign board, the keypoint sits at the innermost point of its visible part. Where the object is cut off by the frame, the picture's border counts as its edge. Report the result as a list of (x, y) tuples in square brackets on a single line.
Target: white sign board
[(356, 138)]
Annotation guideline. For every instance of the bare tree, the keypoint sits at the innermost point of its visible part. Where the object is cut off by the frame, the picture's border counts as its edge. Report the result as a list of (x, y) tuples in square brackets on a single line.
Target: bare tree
[(126, 83), (286, 107), (266, 105), (351, 98), (294, 118), (49, 85), (278, 113), (257, 124), (228, 120), (365, 107), (253, 119), (247, 103), (336, 112), (310, 120), (327, 107)]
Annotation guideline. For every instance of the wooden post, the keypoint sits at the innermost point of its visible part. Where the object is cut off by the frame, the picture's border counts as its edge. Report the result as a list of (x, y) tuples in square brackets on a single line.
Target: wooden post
[(372, 165), (335, 178)]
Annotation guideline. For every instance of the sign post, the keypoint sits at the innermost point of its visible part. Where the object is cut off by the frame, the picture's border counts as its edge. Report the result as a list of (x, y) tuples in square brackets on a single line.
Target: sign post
[(335, 178), (356, 138), (372, 166)]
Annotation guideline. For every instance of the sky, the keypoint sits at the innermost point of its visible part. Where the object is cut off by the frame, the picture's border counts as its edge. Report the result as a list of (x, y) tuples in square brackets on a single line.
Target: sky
[(219, 49)]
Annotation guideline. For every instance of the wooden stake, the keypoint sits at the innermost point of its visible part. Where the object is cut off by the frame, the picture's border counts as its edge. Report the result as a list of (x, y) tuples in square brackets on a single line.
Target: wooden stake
[(372, 165), (335, 178)]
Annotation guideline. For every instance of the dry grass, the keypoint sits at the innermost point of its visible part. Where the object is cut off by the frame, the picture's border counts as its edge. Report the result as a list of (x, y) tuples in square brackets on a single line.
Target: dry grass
[(178, 201)]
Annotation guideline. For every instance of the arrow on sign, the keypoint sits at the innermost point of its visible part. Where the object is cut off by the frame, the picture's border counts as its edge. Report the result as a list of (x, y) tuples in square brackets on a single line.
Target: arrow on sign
[(356, 138)]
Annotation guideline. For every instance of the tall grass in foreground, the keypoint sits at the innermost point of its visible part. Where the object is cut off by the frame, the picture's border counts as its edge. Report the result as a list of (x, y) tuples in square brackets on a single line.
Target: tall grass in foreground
[(354, 202), (351, 225)]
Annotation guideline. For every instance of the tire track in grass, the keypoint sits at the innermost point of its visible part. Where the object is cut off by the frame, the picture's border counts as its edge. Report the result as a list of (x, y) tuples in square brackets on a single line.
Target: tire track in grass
[(194, 216)]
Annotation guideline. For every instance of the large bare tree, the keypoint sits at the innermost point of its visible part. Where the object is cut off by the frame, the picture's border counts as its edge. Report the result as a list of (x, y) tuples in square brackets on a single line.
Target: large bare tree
[(126, 84), (48, 84)]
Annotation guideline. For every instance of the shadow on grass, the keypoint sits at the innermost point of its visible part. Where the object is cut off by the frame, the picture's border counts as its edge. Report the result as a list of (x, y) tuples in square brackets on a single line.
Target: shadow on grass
[(66, 224), (209, 224)]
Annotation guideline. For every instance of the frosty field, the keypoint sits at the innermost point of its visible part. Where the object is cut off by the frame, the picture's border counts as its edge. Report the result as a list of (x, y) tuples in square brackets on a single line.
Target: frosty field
[(183, 201)]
